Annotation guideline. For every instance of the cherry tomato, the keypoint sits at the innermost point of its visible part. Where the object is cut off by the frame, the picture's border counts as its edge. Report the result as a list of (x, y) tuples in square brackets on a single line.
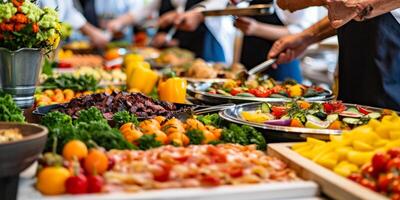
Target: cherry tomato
[(278, 112), (216, 155), (394, 152), (368, 184), (210, 180), (356, 177), (395, 186), (384, 181), (263, 93), (253, 91), (76, 184), (111, 163), (393, 164), (235, 171), (162, 174), (236, 91), (95, 183), (369, 171), (328, 108), (395, 196), (379, 162)]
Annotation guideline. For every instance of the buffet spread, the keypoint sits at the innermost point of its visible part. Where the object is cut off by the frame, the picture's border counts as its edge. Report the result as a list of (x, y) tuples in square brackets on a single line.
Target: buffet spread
[(142, 123)]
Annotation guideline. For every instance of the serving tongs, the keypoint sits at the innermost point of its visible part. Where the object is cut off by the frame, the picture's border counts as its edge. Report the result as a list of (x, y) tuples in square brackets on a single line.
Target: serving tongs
[(183, 116), (245, 75), (253, 10)]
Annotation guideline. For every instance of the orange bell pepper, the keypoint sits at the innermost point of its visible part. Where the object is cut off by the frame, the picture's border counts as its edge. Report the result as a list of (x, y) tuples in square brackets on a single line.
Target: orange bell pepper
[(173, 90)]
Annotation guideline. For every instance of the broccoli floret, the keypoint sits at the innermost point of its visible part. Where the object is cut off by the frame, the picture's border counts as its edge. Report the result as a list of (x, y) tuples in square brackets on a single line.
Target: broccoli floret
[(124, 117), (148, 142), (195, 136), (91, 115)]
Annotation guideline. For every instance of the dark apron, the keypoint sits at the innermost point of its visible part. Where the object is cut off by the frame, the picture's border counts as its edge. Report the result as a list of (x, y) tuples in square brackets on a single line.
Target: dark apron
[(192, 41), (255, 49), (369, 62)]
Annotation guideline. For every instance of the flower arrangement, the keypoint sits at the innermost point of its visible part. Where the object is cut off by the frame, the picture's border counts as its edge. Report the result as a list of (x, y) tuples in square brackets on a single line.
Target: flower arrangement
[(24, 25)]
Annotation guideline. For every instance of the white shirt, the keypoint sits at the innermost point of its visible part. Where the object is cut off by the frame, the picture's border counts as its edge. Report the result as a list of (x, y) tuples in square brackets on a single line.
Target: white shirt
[(396, 14), (295, 22), (116, 8), (66, 12)]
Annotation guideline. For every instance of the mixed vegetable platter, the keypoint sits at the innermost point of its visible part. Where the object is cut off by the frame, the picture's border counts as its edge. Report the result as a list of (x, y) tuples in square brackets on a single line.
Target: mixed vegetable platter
[(315, 115), (265, 89)]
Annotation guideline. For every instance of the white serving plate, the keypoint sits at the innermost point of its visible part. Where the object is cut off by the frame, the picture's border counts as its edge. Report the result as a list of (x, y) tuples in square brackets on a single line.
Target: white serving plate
[(288, 190)]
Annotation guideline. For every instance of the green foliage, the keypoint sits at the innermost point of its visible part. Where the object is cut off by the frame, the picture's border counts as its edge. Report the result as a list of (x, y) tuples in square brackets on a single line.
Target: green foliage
[(213, 119), (90, 127), (68, 81), (91, 114), (123, 117), (148, 142), (243, 135), (195, 136), (9, 111)]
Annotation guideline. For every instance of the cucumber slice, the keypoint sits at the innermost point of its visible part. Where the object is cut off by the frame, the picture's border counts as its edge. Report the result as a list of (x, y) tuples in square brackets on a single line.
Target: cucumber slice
[(277, 96), (352, 121), (285, 117), (223, 93), (353, 110), (245, 94), (266, 108), (332, 117), (374, 115)]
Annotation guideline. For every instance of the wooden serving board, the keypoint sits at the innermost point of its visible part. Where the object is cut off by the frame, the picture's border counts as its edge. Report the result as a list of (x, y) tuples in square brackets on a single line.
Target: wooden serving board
[(331, 184)]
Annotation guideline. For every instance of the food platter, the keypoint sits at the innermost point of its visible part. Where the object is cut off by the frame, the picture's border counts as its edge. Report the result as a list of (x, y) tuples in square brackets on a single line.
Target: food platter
[(299, 190), (198, 90), (234, 115)]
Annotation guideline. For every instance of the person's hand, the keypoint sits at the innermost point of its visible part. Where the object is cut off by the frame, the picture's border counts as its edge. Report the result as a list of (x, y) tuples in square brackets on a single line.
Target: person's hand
[(167, 19), (294, 5), (247, 25), (160, 40), (98, 38), (288, 48), (342, 11), (114, 26), (190, 20)]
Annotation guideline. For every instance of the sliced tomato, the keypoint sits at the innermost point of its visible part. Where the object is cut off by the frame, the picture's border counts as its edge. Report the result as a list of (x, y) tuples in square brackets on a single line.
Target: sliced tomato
[(235, 171), (216, 156), (209, 180), (263, 93), (162, 174), (236, 91), (278, 111), (394, 152), (363, 110)]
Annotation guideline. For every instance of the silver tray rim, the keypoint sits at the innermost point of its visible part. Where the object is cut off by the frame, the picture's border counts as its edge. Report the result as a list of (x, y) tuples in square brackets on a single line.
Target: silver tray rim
[(295, 130), (201, 95)]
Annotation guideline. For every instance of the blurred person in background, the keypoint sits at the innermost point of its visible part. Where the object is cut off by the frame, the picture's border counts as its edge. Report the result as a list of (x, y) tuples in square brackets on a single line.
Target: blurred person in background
[(369, 48), (115, 17), (211, 39), (260, 33), (68, 14)]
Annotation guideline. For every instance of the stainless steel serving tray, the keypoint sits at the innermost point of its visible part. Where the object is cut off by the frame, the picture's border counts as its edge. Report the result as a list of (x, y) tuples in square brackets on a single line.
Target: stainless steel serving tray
[(234, 115), (198, 91), (253, 10)]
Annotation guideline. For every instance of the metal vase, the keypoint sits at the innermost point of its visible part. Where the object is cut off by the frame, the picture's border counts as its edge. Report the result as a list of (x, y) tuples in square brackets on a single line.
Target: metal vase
[(19, 72)]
